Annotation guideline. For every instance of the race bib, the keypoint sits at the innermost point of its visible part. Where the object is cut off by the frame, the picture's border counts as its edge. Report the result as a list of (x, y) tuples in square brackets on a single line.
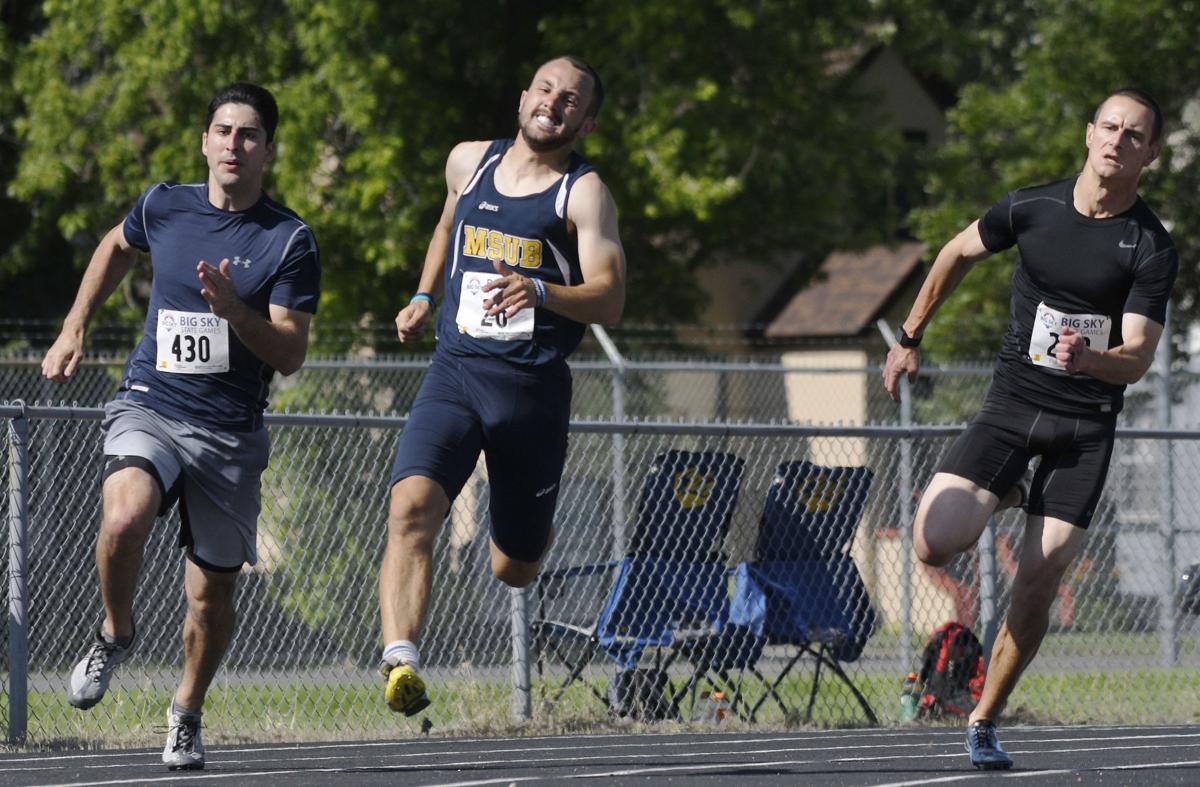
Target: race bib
[(192, 343), (474, 320), (1048, 325)]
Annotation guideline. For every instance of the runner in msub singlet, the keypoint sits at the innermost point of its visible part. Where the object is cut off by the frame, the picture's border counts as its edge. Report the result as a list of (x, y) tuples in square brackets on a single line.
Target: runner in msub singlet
[(527, 253), (235, 284), (1089, 299)]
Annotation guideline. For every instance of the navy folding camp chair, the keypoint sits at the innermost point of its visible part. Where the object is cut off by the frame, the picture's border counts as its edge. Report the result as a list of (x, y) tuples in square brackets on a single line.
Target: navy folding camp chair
[(802, 590), (673, 575)]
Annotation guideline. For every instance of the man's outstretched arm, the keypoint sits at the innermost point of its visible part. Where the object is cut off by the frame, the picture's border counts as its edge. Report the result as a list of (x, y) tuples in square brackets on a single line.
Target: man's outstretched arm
[(947, 272), (110, 263)]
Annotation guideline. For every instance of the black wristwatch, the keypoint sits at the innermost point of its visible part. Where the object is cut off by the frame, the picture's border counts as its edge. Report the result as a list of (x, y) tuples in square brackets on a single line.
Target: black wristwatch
[(904, 340)]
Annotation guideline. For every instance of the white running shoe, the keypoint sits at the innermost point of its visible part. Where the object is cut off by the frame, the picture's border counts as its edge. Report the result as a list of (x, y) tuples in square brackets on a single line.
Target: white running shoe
[(90, 678), (184, 751)]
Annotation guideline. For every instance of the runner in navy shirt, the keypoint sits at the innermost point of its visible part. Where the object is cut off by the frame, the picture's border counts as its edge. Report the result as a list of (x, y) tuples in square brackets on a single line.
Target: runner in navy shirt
[(527, 252), (234, 287), (273, 261), (1089, 299)]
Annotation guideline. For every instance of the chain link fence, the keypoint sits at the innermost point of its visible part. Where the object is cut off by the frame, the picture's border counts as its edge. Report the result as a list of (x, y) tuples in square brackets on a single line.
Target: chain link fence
[(303, 662), (806, 388)]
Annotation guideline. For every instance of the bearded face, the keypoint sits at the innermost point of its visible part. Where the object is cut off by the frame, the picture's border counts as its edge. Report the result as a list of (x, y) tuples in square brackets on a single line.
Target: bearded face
[(554, 109)]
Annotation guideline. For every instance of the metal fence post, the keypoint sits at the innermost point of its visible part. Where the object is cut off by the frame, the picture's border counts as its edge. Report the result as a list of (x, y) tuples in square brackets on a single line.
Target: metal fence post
[(618, 440), (18, 618), (906, 512), (1168, 620), (988, 622), (522, 706), (906, 526)]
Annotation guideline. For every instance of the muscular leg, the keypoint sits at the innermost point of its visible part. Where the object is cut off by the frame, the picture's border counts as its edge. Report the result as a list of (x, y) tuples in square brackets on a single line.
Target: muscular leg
[(512, 572), (130, 502), (1050, 546), (952, 515), (207, 630), (417, 509)]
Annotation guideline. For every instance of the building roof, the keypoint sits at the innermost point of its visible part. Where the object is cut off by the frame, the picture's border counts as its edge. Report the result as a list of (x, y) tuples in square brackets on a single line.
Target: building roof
[(849, 291)]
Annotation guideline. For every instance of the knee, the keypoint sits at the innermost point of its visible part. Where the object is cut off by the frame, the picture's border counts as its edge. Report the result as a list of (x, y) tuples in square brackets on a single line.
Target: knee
[(928, 556), (1036, 588), (211, 601), (126, 524), (412, 521), (515, 574), (930, 550)]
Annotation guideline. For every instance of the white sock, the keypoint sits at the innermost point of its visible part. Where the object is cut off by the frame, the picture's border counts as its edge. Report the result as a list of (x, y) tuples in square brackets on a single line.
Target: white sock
[(179, 710), (402, 652)]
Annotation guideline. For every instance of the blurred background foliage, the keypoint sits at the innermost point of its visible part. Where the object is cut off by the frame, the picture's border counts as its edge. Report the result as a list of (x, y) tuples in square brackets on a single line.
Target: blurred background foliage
[(726, 133)]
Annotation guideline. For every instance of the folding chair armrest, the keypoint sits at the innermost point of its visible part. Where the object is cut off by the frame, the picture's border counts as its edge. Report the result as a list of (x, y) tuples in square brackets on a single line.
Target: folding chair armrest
[(585, 570), (550, 583)]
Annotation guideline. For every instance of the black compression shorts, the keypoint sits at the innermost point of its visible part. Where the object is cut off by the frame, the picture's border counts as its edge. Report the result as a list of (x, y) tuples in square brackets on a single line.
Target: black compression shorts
[(997, 445)]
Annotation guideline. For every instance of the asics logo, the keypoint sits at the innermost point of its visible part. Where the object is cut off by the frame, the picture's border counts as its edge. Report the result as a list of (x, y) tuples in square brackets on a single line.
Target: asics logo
[(485, 205), (1125, 245)]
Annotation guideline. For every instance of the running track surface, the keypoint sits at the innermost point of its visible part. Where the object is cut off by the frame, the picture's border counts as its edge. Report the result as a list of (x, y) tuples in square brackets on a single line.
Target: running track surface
[(1142, 756)]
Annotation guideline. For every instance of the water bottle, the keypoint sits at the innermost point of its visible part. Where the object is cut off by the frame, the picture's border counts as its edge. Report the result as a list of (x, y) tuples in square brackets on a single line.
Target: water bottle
[(711, 708), (909, 697), (720, 706), (704, 710)]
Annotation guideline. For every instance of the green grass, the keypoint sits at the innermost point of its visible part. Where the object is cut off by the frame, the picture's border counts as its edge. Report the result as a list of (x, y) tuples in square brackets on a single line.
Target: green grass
[(470, 706)]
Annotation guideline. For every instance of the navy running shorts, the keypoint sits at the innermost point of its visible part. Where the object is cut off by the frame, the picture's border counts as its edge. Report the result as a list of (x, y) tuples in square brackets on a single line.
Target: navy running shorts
[(996, 447), (518, 417)]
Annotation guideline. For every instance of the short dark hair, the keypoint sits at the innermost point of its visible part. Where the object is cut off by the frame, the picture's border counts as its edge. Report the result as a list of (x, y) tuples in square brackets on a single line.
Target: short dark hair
[(597, 86), (255, 96), (1143, 98)]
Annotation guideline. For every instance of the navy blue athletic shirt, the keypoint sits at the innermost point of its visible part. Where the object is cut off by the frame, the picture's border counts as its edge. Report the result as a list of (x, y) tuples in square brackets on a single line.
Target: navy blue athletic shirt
[(274, 260), (530, 235), (1076, 265)]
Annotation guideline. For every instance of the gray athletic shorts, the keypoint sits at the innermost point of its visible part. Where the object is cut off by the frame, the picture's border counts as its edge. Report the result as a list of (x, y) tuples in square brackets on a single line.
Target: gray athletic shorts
[(215, 475)]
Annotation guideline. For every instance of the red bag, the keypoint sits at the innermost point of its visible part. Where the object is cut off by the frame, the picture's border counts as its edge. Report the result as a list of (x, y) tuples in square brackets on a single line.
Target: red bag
[(952, 672)]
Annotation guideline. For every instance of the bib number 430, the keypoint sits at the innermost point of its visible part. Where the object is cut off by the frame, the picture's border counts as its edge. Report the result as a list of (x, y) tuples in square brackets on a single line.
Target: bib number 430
[(188, 348)]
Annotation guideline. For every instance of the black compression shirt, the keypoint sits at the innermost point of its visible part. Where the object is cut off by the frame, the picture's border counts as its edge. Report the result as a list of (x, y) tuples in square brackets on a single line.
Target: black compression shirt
[(1080, 271)]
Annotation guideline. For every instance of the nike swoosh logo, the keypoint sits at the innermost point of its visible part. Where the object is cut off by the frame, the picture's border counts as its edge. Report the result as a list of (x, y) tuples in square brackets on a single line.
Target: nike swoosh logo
[(1125, 245)]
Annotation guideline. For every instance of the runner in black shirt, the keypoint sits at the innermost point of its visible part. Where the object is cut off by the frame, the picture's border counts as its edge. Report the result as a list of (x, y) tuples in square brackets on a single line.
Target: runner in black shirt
[(1089, 300)]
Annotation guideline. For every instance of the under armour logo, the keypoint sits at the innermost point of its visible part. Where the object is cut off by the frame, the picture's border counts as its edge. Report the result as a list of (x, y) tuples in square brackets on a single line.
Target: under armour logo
[(244, 263)]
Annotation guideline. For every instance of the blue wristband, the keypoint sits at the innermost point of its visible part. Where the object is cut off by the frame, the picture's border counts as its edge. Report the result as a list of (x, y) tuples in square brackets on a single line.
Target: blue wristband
[(540, 286), (423, 296)]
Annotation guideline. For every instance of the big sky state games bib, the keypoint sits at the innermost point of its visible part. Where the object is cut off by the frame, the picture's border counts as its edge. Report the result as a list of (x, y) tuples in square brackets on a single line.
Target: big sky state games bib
[(192, 343), (474, 320), (1048, 325)]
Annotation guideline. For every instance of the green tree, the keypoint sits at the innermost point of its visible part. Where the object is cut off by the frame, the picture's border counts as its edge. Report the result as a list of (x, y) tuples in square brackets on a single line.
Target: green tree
[(724, 133), (34, 260), (1031, 130)]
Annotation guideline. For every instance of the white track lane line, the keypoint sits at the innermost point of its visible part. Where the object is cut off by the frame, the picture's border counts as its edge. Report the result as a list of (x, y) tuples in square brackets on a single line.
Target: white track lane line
[(782, 763), (603, 741), (640, 771), (45, 763), (1027, 774)]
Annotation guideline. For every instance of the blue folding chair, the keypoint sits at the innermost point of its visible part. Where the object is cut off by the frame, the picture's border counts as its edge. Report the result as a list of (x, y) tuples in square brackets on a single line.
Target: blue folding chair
[(673, 575), (801, 590)]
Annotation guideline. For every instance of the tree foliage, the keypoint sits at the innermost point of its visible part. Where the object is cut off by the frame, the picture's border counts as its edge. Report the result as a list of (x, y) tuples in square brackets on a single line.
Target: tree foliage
[(1031, 130), (723, 132)]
